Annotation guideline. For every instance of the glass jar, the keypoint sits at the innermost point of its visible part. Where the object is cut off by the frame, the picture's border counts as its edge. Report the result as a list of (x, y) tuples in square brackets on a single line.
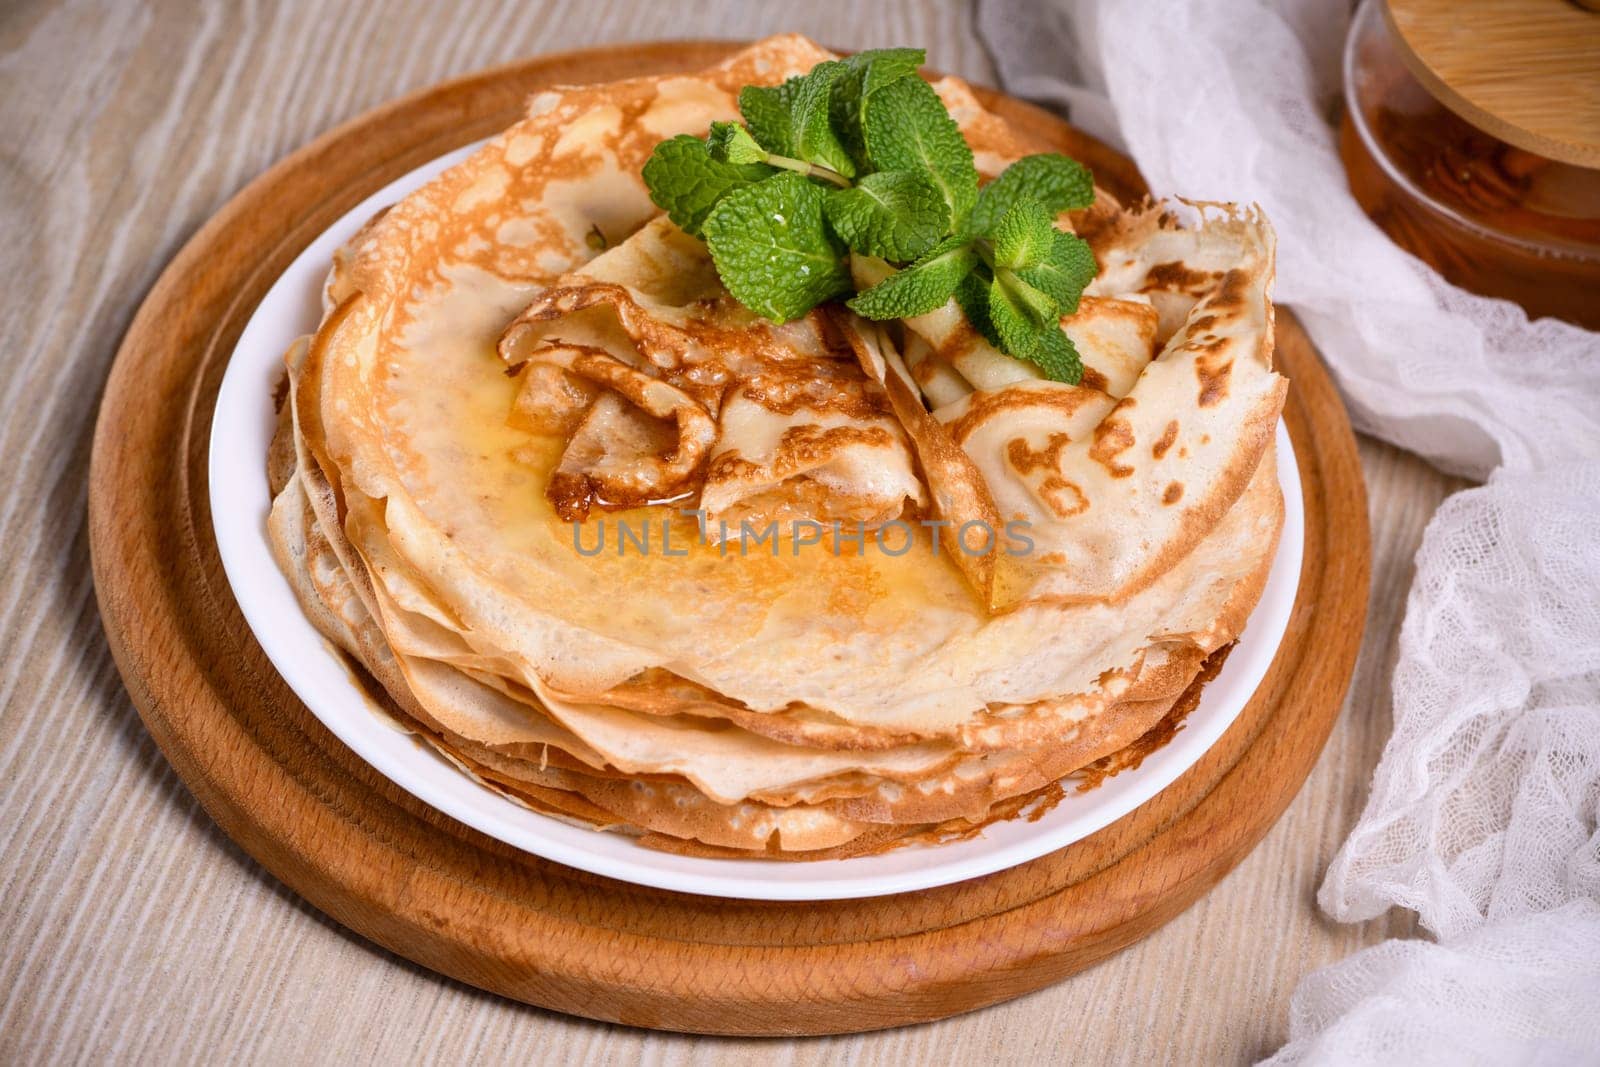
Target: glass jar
[(1489, 216)]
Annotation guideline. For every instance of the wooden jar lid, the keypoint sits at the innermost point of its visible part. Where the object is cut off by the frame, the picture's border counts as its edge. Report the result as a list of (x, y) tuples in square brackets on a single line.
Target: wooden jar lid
[(1526, 71)]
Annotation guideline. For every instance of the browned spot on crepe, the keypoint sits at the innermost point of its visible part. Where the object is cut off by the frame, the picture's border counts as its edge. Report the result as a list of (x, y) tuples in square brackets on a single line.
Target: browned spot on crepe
[(1164, 442), (1112, 438), (1177, 277), (1213, 371)]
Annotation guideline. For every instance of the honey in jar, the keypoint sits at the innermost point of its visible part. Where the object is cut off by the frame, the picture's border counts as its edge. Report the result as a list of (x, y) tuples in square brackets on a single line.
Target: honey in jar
[(1490, 217)]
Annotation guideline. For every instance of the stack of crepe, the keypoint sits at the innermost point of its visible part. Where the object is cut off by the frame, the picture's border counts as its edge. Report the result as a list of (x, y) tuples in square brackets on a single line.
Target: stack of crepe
[(522, 357)]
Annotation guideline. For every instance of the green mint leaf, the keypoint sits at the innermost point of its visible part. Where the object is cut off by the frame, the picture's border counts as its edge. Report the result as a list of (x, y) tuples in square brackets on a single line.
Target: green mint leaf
[(685, 182), (766, 113), (1040, 307), (1024, 337), (906, 127), (973, 296), (1023, 236), (881, 66), (904, 190), (894, 214), (927, 284), (730, 142), (809, 117), (1064, 273), (772, 247), (1054, 182), (865, 73), (1012, 322)]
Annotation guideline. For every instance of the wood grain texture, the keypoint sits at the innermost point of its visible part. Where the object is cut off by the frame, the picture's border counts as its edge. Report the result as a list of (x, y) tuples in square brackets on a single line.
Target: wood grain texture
[(133, 929), (1527, 71)]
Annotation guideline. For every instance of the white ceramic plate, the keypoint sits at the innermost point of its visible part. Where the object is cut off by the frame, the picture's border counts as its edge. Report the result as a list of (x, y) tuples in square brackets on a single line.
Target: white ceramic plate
[(240, 432)]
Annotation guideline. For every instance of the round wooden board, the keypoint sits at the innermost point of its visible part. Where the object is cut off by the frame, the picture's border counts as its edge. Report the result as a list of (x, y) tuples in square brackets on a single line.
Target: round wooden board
[(396, 871)]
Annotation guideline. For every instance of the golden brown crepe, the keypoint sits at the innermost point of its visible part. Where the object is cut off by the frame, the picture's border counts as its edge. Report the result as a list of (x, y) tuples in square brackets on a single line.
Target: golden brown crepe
[(490, 401)]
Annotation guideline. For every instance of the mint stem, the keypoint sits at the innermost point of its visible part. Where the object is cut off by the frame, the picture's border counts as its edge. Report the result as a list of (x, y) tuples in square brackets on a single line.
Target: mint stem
[(985, 250), (810, 170)]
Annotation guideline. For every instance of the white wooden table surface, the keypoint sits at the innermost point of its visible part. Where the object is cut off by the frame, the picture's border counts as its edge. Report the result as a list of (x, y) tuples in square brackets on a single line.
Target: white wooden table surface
[(131, 929)]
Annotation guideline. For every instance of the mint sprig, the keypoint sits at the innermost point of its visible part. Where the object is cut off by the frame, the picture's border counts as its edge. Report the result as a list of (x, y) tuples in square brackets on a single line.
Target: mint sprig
[(1013, 282), (860, 157)]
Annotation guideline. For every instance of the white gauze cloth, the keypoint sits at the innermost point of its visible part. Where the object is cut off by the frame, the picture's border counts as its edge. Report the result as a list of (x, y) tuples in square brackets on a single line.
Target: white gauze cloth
[(1485, 803)]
